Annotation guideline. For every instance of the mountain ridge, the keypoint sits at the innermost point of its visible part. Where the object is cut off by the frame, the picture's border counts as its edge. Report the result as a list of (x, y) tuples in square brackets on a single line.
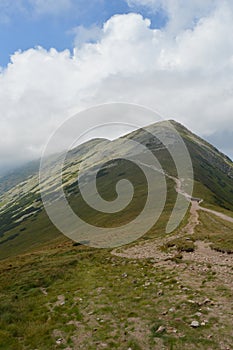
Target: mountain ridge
[(21, 204)]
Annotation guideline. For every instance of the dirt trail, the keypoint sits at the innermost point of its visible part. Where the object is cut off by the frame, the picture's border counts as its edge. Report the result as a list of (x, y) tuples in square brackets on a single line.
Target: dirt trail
[(216, 213), (195, 206), (194, 217), (151, 249)]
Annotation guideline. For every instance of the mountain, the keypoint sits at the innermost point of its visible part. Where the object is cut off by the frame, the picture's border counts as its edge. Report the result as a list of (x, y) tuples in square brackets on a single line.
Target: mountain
[(165, 290), (21, 206)]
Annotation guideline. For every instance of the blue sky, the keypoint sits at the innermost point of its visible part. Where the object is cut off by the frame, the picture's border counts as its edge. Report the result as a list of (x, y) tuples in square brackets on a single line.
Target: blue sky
[(23, 28)]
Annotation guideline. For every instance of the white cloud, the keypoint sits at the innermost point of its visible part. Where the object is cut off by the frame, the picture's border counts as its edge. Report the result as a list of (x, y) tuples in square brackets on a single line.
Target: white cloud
[(187, 76), (182, 14), (86, 35)]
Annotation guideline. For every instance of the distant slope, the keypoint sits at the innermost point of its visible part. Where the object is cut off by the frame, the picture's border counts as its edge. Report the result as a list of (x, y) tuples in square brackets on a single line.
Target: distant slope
[(16, 176)]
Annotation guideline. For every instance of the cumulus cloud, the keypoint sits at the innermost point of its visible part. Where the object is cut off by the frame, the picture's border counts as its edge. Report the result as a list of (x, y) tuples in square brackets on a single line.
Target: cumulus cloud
[(181, 14), (186, 76), (86, 35)]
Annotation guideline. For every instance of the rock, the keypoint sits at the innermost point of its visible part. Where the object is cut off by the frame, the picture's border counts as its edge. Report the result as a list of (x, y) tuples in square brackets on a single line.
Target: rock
[(172, 309), (161, 329), (124, 275), (59, 341), (198, 314), (160, 292), (195, 324), (171, 330), (206, 301)]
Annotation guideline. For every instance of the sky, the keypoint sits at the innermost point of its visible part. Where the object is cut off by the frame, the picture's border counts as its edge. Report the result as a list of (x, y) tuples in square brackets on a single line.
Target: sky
[(60, 57)]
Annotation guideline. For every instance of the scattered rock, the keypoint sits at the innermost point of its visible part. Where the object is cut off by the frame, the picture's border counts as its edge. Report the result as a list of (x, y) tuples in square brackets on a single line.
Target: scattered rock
[(161, 329), (59, 341), (44, 291), (171, 330), (103, 345), (195, 324), (124, 275), (60, 300), (147, 284)]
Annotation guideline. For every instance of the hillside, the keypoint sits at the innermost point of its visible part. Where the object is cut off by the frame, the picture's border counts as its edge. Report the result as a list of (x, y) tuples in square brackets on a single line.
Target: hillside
[(166, 290), (22, 210)]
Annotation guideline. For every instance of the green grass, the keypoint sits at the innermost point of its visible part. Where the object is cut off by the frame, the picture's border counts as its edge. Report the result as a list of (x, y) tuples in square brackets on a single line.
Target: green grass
[(101, 305), (216, 231)]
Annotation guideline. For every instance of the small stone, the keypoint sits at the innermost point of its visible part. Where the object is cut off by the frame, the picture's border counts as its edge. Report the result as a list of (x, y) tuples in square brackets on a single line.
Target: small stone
[(198, 314), (160, 292), (195, 324), (147, 284), (103, 345), (161, 329), (124, 275), (59, 341), (191, 301), (206, 301), (172, 309)]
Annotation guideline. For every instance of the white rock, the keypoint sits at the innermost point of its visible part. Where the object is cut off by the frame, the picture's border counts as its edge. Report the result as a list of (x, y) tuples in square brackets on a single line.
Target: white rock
[(195, 324)]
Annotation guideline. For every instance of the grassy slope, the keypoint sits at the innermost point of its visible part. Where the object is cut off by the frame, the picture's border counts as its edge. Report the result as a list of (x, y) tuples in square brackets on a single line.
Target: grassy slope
[(110, 302)]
